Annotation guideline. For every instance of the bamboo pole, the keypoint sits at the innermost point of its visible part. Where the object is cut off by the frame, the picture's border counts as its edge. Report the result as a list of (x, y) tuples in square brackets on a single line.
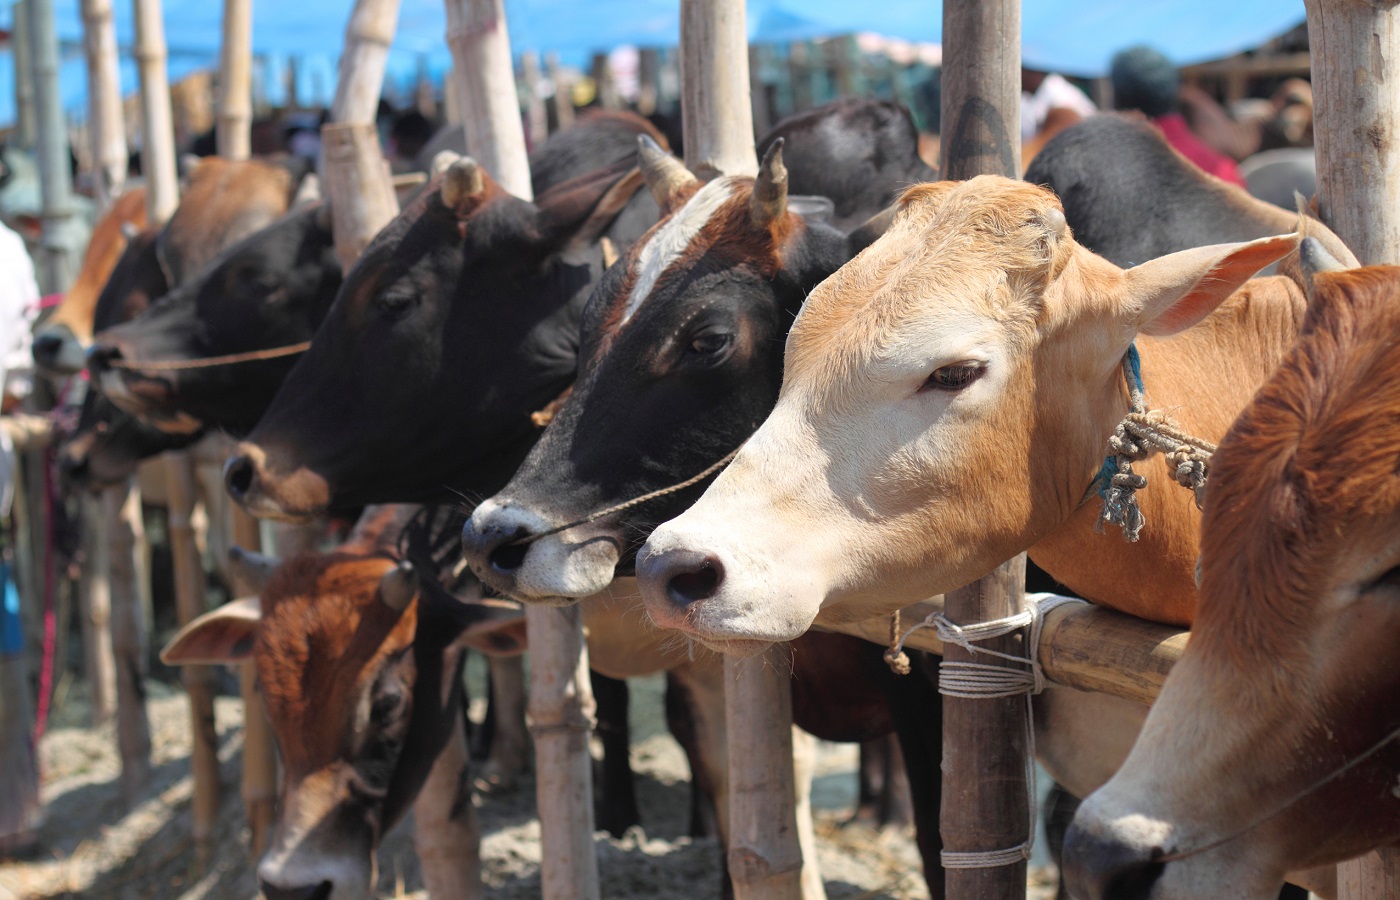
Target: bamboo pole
[(235, 122), (26, 126), (480, 42), (535, 112), (1354, 47), (604, 87), (56, 265), (106, 128), (510, 742), (986, 745), (563, 92), (95, 605), (446, 833), (358, 184), (125, 535), (648, 80), (561, 717), (259, 788), (199, 680), (715, 109), (367, 39), (157, 124)]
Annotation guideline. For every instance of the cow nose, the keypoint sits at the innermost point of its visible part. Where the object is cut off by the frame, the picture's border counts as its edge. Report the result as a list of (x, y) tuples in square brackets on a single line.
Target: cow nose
[(46, 348), (320, 891), (495, 547), (239, 473), (101, 357), (1099, 867), (687, 576)]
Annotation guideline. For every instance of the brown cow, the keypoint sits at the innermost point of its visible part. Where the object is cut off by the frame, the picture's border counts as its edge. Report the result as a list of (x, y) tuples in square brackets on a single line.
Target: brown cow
[(359, 660), (1288, 697), (62, 340)]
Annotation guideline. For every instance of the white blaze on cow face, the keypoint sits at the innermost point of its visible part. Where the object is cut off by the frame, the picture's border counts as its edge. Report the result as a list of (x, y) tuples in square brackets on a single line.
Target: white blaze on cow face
[(945, 402)]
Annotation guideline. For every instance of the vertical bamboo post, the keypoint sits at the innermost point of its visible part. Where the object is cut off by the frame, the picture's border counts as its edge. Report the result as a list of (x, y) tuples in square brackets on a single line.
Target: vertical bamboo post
[(95, 605), (26, 127), (56, 267), (106, 128), (357, 176), (561, 697), (765, 855), (480, 43), (535, 113), (561, 717), (986, 744), (235, 122), (1354, 47), (189, 604), (604, 87), (563, 92), (157, 123), (125, 534), (446, 833), (715, 111), (648, 80), (259, 788)]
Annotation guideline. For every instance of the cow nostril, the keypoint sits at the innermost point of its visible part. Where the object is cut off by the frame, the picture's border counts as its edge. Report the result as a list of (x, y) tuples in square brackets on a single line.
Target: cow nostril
[(46, 347), (700, 581), (320, 891), (510, 556), (238, 476), (101, 357), (1134, 881)]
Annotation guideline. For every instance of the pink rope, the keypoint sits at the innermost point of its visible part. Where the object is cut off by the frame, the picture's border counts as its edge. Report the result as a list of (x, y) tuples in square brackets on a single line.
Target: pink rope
[(41, 714)]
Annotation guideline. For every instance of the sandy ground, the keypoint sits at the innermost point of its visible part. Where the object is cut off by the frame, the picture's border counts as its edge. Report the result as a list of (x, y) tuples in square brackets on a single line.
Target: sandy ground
[(94, 848)]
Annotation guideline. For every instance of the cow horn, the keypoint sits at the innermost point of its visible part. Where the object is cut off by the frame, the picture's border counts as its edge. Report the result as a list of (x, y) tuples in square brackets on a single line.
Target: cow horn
[(308, 190), (441, 162), (769, 200), (664, 173), (462, 182), (398, 586), (253, 569)]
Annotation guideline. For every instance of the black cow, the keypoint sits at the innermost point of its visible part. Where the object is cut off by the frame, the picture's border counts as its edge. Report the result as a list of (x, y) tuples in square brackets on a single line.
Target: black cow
[(271, 289)]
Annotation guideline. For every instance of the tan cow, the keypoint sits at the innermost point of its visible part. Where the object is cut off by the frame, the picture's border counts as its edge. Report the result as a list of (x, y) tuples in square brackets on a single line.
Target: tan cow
[(945, 404), (1276, 741)]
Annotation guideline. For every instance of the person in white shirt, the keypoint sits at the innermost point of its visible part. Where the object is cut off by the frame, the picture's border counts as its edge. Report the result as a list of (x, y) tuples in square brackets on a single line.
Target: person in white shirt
[(1042, 92)]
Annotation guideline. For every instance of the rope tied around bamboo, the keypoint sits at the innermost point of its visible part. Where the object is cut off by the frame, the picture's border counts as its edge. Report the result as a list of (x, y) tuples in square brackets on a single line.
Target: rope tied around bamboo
[(1141, 433), (988, 681)]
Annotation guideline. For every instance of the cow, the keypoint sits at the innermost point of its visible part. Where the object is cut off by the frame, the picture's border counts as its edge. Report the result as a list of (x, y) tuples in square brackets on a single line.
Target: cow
[(359, 659), (945, 403), (271, 289), (1287, 699), (60, 343)]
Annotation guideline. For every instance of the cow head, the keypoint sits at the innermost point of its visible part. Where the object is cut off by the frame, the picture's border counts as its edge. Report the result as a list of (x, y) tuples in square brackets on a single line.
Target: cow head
[(108, 444), (945, 400), (458, 321), (681, 359), (358, 660), (1290, 674), (271, 289)]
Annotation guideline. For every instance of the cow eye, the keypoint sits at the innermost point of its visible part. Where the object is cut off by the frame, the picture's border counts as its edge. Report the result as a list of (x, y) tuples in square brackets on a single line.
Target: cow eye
[(1388, 579), (954, 377), (384, 707), (711, 343), (395, 306)]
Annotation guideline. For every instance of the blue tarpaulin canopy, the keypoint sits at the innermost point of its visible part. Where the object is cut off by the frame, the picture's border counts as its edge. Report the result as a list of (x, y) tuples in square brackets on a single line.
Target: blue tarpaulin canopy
[(1072, 36)]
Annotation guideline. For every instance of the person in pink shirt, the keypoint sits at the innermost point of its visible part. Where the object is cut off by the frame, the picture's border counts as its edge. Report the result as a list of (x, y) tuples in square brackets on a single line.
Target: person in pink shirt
[(1145, 80)]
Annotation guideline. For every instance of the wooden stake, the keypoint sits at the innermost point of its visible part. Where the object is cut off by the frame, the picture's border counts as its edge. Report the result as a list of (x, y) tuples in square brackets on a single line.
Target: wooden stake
[(535, 113), (605, 89), (259, 788), (715, 109), (1354, 46), (26, 126), (648, 80), (367, 40), (199, 680), (358, 184), (563, 92), (95, 604), (125, 534), (106, 128), (561, 717), (510, 742), (480, 42), (986, 745), (765, 853), (235, 125), (157, 123), (57, 263), (446, 833)]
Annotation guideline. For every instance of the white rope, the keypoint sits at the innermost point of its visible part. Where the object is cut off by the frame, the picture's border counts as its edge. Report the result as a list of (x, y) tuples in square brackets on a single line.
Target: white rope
[(986, 681)]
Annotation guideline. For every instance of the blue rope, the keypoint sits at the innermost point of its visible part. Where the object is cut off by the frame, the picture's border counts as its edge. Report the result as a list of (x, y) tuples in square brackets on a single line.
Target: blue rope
[(1132, 373)]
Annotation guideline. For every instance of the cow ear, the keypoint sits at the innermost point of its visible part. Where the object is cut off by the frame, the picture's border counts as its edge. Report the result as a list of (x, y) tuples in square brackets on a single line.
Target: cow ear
[(497, 628), (398, 586), (308, 190), (575, 214), (811, 207), (1174, 292), (253, 569), (222, 636)]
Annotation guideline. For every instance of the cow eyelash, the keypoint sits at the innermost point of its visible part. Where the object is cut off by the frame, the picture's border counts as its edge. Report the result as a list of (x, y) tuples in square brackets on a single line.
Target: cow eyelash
[(954, 377)]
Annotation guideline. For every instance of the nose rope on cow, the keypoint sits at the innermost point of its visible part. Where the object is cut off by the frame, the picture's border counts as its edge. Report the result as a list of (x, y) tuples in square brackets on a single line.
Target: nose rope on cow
[(1141, 433), (635, 501), (171, 365), (1283, 807), (983, 681)]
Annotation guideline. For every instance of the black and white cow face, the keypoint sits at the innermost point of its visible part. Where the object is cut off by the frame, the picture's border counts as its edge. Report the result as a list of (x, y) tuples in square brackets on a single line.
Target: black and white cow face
[(681, 359)]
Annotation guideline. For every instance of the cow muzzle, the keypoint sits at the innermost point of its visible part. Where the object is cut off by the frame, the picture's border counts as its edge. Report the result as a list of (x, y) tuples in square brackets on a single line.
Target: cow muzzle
[(501, 546), (265, 492)]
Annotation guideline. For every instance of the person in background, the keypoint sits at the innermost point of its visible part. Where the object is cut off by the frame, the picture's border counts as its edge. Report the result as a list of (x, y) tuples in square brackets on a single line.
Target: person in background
[(408, 136), (1043, 92), (1145, 80)]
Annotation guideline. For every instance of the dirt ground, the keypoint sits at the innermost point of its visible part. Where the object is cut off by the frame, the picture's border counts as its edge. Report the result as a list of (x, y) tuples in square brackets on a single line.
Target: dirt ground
[(91, 847)]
